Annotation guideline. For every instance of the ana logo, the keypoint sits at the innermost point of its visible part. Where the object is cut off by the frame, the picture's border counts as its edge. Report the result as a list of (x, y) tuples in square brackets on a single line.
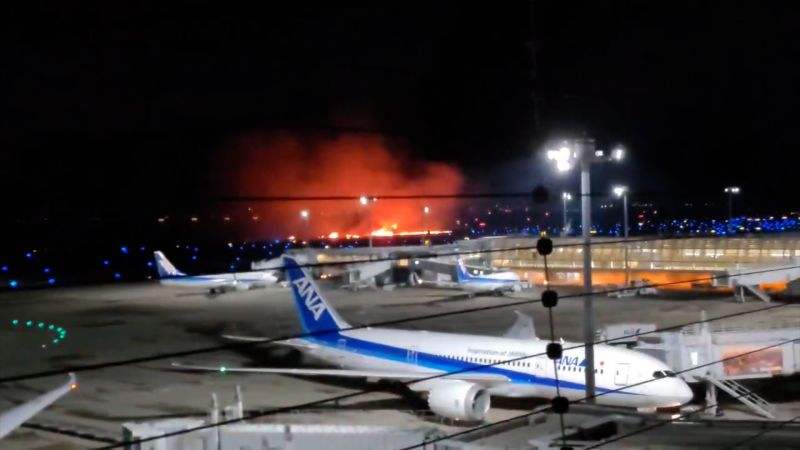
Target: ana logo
[(571, 361), (309, 296)]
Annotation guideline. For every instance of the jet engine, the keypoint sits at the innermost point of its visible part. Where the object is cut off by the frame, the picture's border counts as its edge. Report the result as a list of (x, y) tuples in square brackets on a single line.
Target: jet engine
[(459, 400)]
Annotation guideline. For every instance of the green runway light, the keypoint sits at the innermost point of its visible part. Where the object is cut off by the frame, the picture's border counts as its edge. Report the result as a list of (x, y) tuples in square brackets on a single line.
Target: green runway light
[(41, 324), (51, 327), (29, 323), (55, 341), (223, 369), (14, 322)]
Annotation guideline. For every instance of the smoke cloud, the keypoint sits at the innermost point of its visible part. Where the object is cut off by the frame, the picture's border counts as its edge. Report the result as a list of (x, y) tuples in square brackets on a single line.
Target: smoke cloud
[(284, 164)]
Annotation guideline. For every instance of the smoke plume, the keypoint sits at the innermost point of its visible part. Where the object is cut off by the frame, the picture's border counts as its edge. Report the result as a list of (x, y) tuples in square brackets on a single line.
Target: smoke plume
[(285, 164)]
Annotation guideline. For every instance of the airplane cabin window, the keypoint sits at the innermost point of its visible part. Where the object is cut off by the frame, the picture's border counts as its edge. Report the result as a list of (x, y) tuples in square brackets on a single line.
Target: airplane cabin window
[(670, 373), (658, 374)]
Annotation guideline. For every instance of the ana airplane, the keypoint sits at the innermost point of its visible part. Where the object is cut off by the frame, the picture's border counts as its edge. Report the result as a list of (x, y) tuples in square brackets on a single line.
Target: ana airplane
[(474, 279), (218, 283), (465, 384), (16, 416)]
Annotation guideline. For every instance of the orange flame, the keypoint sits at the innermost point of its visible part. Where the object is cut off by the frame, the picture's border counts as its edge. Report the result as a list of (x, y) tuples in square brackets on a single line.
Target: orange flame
[(347, 165)]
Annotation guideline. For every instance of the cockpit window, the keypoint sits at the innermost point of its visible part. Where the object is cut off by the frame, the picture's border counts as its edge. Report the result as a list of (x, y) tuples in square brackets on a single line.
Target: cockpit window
[(664, 373)]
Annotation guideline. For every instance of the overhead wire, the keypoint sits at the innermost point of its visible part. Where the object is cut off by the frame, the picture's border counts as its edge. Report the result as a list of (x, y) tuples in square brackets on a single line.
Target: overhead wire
[(611, 391), (240, 345), (470, 368), (761, 433)]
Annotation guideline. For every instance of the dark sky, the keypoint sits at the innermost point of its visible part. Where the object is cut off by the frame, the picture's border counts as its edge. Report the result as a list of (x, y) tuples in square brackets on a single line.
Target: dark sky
[(107, 103)]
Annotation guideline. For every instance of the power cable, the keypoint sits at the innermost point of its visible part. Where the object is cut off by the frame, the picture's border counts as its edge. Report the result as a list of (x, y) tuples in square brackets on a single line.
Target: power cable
[(470, 368), (240, 345), (543, 409), (779, 425)]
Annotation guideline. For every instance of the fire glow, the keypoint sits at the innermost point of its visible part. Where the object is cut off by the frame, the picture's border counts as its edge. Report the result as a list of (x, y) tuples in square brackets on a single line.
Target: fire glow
[(351, 165)]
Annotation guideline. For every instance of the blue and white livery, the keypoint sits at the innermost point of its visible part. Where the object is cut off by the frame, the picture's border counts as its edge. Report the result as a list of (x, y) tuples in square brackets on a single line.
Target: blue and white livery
[(483, 280), (170, 276), (465, 393)]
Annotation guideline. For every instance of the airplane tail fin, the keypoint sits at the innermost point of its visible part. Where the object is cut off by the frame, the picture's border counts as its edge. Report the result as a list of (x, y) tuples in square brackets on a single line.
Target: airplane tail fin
[(316, 314), (165, 268), (461, 271)]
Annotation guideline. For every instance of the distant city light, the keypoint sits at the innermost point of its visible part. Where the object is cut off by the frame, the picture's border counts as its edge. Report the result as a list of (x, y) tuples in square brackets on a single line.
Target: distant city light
[(304, 214), (732, 190), (363, 200), (620, 190)]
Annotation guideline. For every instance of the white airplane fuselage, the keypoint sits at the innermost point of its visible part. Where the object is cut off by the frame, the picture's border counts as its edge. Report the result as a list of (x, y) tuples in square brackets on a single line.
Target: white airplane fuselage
[(239, 280), (460, 372), (426, 351)]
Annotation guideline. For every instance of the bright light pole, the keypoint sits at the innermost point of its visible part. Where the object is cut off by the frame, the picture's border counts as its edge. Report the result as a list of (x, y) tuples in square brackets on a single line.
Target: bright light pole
[(304, 214), (566, 196), (622, 191), (566, 156), (731, 191), (364, 200)]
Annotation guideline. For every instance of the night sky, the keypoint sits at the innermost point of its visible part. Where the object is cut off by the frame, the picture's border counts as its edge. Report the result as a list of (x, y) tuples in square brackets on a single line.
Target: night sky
[(108, 105)]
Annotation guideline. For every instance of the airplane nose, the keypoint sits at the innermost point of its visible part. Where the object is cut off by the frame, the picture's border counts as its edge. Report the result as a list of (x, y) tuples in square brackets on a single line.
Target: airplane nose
[(684, 392)]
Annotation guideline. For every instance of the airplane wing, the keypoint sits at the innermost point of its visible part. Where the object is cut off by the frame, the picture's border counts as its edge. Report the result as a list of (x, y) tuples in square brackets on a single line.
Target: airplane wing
[(18, 415), (380, 374), (297, 343), (523, 328)]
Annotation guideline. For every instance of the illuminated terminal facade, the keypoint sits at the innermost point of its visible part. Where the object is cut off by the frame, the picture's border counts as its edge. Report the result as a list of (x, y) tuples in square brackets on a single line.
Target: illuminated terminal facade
[(657, 260), (682, 262)]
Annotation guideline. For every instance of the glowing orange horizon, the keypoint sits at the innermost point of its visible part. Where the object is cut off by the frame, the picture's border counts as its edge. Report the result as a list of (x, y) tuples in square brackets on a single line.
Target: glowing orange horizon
[(349, 165)]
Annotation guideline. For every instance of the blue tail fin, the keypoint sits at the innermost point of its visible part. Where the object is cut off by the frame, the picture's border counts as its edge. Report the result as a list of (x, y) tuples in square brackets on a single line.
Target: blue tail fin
[(461, 272), (315, 313), (165, 268)]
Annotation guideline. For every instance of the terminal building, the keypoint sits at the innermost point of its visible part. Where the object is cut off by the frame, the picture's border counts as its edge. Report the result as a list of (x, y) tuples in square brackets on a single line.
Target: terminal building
[(768, 261)]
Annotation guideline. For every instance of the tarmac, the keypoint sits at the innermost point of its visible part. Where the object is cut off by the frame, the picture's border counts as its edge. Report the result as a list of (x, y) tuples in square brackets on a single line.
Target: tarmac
[(133, 320)]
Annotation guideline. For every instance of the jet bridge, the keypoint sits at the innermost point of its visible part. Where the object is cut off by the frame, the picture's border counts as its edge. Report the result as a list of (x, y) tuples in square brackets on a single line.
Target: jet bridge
[(720, 356), (747, 278)]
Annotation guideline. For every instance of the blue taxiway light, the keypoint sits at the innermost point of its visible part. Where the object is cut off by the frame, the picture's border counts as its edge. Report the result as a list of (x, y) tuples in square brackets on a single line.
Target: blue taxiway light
[(46, 270), (106, 262), (124, 250), (51, 281), (117, 275), (4, 268), (29, 255), (149, 263), (13, 283)]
